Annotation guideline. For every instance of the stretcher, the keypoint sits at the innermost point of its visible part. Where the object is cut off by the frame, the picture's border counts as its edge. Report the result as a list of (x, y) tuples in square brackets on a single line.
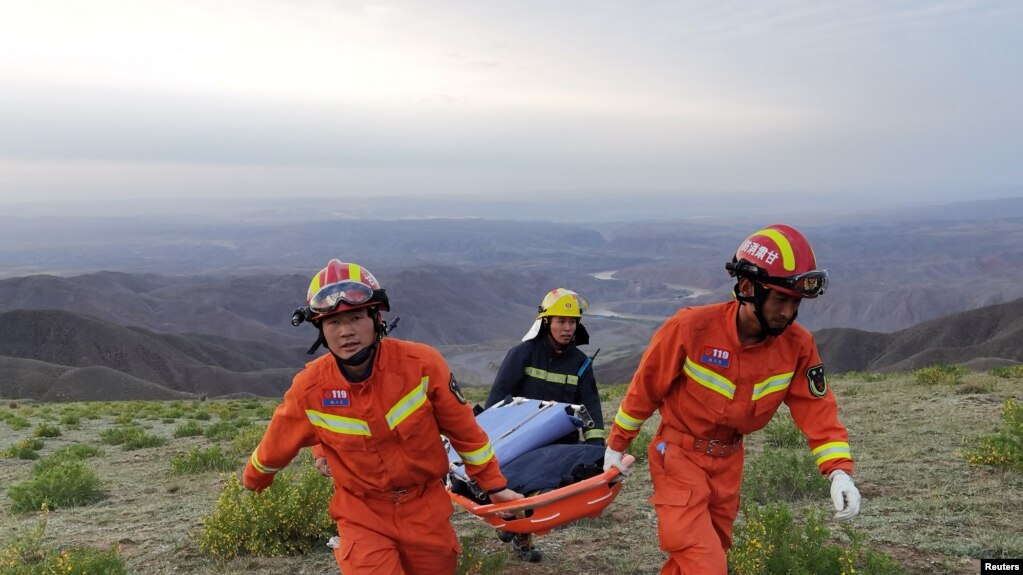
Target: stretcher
[(517, 426)]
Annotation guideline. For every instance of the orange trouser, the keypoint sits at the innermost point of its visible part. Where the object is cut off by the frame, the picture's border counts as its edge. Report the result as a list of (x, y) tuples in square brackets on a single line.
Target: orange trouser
[(411, 535), (696, 497)]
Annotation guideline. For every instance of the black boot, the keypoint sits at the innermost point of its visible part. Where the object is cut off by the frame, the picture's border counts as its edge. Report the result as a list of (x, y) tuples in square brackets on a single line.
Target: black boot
[(523, 545)]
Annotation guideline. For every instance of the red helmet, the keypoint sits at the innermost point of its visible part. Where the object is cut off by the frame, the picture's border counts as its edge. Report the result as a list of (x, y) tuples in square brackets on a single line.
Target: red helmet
[(780, 257), (343, 286)]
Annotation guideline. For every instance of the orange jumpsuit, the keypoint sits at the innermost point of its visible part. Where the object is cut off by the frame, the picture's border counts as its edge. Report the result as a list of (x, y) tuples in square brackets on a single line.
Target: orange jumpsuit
[(711, 390), (381, 438)]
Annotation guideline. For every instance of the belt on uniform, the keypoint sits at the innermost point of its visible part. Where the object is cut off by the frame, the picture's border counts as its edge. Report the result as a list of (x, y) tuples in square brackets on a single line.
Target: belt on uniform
[(711, 447), (393, 495)]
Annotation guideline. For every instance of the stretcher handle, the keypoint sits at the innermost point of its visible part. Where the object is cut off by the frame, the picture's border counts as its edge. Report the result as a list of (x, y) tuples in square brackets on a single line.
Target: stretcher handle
[(611, 476)]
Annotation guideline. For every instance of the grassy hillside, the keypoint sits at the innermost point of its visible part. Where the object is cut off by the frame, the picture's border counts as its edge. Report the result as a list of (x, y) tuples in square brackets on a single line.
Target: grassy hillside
[(923, 503)]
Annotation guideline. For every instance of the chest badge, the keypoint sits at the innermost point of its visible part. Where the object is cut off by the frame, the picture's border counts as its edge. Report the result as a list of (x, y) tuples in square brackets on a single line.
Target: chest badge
[(716, 356), (336, 397)]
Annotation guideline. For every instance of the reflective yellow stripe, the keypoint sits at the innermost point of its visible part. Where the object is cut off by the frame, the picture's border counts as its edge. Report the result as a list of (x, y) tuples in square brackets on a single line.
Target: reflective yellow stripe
[(408, 404), (772, 384), (338, 424), (355, 272), (829, 451), (627, 422), (788, 259), (478, 457), (552, 377), (260, 467), (709, 379), (594, 434)]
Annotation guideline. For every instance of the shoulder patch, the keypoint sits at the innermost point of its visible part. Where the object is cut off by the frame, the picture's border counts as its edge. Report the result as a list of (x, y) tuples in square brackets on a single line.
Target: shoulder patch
[(818, 381), (457, 391)]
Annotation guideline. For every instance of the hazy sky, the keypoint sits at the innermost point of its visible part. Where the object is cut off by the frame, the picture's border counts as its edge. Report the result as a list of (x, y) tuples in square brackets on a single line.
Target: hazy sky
[(261, 98)]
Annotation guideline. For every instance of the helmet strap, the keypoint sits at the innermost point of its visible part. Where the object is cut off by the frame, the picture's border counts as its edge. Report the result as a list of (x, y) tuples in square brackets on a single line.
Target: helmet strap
[(362, 355), (365, 354), (319, 341), (758, 298), (359, 358)]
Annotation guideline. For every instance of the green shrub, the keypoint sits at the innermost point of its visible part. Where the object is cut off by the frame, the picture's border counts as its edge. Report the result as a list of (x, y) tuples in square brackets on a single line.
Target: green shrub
[(71, 420), (288, 518), (783, 474), (188, 429), (613, 392), (78, 452), (143, 441), (1008, 371), (202, 460), (64, 485), (476, 559), (120, 434), (768, 541), (940, 375), (26, 555), (173, 412), (17, 423), (224, 430), (130, 437), (782, 432), (124, 419), (65, 454), (1005, 447), (247, 439), (201, 415), (24, 449), (46, 430)]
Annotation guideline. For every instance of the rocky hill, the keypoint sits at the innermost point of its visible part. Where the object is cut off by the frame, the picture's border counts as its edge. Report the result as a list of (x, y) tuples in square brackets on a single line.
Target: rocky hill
[(129, 358), (992, 333)]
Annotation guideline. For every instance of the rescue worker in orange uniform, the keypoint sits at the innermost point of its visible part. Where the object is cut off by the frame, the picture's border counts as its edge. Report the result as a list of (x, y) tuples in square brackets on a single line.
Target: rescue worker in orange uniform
[(378, 408), (719, 372)]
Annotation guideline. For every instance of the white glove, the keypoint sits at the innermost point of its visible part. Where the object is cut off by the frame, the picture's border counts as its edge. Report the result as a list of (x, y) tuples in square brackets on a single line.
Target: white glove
[(844, 495), (614, 458)]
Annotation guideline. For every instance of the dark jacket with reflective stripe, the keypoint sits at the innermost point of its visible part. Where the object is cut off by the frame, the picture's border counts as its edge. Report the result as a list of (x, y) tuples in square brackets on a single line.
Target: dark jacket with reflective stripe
[(533, 370)]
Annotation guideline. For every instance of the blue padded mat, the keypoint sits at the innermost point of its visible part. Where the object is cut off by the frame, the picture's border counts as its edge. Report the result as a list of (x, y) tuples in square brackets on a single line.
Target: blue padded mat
[(520, 427)]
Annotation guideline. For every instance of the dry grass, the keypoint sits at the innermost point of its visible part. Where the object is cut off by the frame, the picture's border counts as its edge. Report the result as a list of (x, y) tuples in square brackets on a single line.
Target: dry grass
[(923, 503)]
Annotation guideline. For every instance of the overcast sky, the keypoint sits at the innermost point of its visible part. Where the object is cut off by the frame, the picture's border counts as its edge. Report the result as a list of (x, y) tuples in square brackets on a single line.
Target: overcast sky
[(262, 98)]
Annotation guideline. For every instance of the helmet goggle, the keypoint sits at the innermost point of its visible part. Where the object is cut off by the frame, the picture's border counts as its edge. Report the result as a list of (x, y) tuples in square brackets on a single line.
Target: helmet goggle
[(810, 284), (807, 284), (330, 297)]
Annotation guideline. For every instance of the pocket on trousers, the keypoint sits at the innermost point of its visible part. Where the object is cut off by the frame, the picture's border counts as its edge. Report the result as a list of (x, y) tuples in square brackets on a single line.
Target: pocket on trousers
[(345, 551), (674, 519)]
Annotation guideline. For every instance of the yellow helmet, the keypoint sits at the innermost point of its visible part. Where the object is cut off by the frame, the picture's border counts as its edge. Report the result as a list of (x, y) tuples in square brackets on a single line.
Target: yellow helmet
[(560, 302)]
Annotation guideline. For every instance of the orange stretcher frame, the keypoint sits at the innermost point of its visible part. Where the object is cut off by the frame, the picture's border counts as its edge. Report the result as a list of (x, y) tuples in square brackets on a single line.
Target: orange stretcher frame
[(541, 513)]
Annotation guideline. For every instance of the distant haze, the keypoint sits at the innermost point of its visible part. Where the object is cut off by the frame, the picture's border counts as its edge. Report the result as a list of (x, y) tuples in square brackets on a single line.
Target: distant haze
[(709, 103)]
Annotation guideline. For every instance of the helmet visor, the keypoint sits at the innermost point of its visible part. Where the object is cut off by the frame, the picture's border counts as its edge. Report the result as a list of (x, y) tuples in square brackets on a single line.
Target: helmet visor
[(810, 284), (330, 297)]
